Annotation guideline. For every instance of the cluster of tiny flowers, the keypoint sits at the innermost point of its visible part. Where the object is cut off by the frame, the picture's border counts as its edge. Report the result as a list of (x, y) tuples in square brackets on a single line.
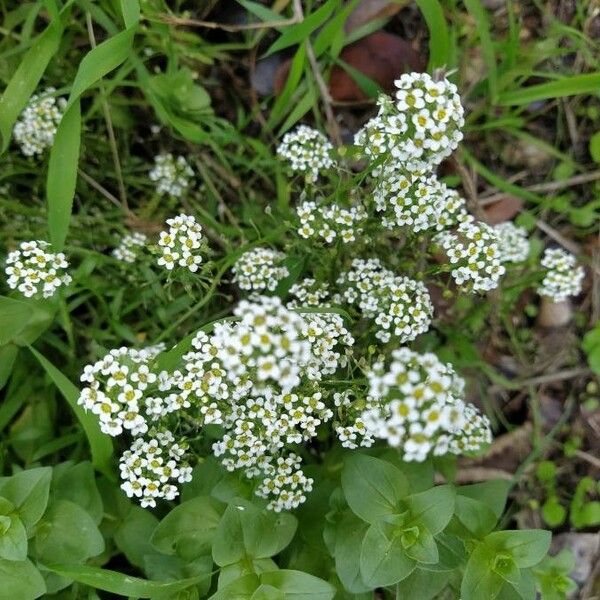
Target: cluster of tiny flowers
[(172, 175), (420, 408), (36, 127), (330, 222), (307, 150), (399, 305), (308, 292), (563, 277), (119, 388), (474, 252), (416, 201), (181, 244), (129, 247), (513, 242), (350, 427), (270, 362), (259, 270), (151, 468), (34, 271), (418, 129)]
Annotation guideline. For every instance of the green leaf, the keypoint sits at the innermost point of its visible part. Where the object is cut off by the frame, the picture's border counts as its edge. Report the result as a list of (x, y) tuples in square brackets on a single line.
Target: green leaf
[(479, 581), (100, 444), (553, 512), (482, 24), (124, 585), (77, 483), (527, 547), (297, 585), (20, 580), (26, 78), (383, 562), (28, 491), (424, 549), (188, 530), (491, 493), (566, 86), (240, 589), (62, 175), (68, 534), (440, 49), (22, 322), (64, 156), (373, 487), (595, 147), (350, 532), (294, 34), (132, 535), (433, 508), (245, 530), (476, 516), (422, 585), (13, 537)]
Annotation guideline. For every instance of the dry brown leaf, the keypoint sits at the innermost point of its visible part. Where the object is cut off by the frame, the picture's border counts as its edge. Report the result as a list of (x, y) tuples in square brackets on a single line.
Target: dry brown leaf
[(502, 210), (369, 10)]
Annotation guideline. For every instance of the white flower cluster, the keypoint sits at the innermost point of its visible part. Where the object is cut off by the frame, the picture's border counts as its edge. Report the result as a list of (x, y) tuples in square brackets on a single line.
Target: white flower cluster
[(259, 270), (119, 391), (563, 276), (330, 222), (129, 247), (350, 427), (419, 201), (420, 408), (151, 467), (181, 244), (33, 270), (36, 127), (308, 292), (172, 175), (399, 305), (307, 150), (513, 242), (271, 360), (474, 252), (420, 128)]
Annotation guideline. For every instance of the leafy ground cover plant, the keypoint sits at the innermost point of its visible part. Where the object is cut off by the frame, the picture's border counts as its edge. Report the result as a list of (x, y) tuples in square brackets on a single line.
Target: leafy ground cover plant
[(269, 375)]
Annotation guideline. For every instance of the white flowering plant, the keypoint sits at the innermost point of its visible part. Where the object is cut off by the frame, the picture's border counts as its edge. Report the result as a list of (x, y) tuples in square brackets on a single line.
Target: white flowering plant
[(242, 370)]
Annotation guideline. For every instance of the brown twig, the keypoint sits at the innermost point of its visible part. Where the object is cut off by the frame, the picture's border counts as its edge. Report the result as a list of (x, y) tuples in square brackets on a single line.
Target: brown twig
[(571, 246), (100, 188), (551, 186), (334, 130)]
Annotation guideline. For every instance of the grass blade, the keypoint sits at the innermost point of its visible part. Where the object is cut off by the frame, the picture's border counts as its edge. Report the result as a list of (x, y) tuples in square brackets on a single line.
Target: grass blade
[(100, 444), (439, 36), (568, 86), (26, 78), (62, 175)]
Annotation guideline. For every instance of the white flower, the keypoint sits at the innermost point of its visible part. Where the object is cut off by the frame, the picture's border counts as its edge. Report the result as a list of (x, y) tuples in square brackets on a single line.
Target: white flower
[(330, 222), (129, 247), (563, 276), (37, 125), (416, 405), (259, 270), (34, 271), (512, 242), (474, 254), (181, 245), (307, 151), (173, 175)]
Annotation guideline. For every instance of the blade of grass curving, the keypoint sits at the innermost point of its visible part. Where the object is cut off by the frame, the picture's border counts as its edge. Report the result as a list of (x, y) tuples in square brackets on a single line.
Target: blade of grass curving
[(27, 76), (567, 86), (100, 444), (62, 175), (440, 54), (64, 156), (482, 24), (125, 585)]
